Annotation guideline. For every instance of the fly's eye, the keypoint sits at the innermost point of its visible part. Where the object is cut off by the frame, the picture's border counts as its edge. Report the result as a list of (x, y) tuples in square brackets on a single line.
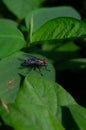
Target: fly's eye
[(45, 61)]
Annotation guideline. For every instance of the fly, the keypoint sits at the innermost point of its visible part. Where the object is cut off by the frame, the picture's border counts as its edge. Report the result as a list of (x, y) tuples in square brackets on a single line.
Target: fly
[(34, 63)]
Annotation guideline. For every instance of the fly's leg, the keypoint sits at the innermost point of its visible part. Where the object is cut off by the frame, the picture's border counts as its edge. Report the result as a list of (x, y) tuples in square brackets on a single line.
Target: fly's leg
[(35, 67), (40, 71)]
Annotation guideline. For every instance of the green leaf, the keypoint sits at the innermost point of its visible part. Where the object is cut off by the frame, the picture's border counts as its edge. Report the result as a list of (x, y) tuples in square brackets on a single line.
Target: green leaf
[(9, 77), (68, 47), (61, 52), (11, 71), (79, 115), (8, 22), (11, 39), (73, 64), (64, 99), (60, 29), (63, 46), (22, 7), (35, 107), (43, 15)]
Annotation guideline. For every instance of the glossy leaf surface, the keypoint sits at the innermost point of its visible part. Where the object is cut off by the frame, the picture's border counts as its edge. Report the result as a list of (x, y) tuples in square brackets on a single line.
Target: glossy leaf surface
[(60, 29), (42, 15)]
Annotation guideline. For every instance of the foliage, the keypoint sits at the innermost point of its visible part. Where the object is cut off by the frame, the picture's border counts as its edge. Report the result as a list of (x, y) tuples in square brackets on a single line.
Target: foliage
[(29, 100)]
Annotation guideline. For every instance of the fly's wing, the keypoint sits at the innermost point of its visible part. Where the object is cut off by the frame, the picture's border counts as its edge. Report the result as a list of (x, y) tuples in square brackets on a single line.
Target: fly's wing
[(34, 60), (31, 60)]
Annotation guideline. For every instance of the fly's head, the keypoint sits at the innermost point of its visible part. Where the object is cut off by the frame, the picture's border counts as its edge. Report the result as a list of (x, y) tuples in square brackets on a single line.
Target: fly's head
[(45, 62)]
